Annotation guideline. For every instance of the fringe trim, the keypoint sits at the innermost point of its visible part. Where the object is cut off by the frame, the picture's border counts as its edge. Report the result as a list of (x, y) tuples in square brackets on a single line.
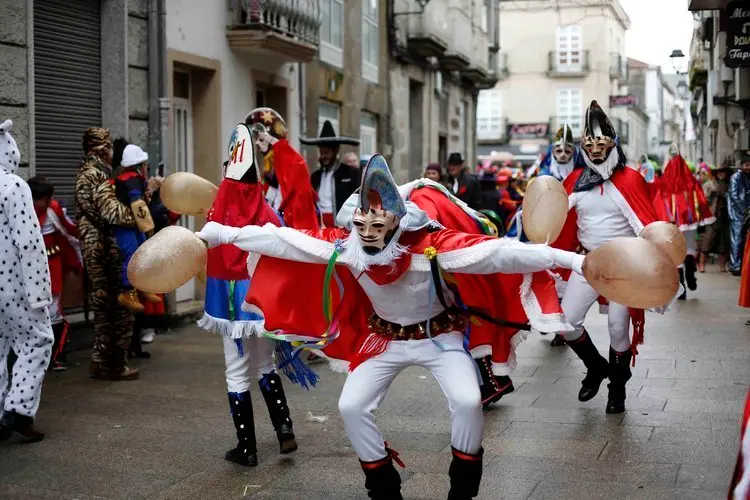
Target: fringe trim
[(231, 329), (374, 345), (548, 323), (289, 363), (696, 225)]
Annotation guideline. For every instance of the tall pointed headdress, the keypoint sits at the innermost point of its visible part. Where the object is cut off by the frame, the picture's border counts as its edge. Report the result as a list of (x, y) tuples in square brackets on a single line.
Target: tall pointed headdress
[(378, 190), (564, 135)]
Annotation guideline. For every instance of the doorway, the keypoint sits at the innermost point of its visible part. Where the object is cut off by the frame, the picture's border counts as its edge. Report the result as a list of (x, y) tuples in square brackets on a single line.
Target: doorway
[(182, 120), (416, 138)]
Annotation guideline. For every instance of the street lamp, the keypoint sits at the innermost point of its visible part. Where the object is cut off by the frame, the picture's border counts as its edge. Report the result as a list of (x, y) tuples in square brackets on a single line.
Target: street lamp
[(682, 89), (674, 56)]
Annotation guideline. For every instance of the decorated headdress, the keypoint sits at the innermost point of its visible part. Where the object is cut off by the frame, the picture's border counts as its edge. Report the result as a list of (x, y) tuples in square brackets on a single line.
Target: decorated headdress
[(564, 135), (378, 190), (673, 150), (601, 149), (328, 138), (269, 121), (241, 164), (563, 149)]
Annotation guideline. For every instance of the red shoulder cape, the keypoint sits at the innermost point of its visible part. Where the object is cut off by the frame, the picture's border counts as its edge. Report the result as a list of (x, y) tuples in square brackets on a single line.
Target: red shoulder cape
[(239, 204), (679, 197)]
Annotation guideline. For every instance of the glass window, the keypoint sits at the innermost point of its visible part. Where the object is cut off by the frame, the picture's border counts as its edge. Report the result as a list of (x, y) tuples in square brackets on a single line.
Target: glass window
[(370, 40), (368, 133), (331, 112), (332, 32), (490, 123), (569, 110), (569, 48)]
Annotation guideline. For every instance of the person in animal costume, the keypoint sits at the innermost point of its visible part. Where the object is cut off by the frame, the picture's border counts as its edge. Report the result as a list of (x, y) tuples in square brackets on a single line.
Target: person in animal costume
[(240, 201), (26, 294), (398, 291)]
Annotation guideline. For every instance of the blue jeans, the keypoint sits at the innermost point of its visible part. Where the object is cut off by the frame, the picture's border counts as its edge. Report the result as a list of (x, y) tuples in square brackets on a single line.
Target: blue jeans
[(128, 240)]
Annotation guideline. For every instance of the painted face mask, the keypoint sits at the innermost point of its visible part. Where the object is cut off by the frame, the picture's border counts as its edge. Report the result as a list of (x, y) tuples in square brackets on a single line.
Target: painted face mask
[(598, 135), (241, 164), (673, 150), (563, 147), (375, 227), (380, 207), (263, 121)]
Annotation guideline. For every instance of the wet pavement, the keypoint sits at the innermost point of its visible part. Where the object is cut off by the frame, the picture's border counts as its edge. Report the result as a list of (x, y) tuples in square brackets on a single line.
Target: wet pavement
[(164, 436)]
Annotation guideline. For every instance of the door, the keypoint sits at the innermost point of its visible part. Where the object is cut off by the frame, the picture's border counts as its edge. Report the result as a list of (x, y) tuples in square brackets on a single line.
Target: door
[(183, 140)]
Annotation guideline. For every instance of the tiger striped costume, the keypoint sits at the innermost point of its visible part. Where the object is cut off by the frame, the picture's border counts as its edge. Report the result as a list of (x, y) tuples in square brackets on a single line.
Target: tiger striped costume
[(98, 210)]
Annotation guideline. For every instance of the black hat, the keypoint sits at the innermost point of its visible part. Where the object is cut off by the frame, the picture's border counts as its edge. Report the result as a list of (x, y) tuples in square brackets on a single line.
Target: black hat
[(329, 138), (455, 159), (596, 122)]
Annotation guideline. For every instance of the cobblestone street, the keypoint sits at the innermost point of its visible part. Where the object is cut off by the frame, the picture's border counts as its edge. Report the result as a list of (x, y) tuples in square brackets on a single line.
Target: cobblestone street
[(164, 436)]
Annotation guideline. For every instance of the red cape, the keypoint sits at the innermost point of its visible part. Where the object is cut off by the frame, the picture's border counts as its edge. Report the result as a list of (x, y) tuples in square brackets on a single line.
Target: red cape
[(679, 198), (240, 204), (290, 294), (66, 260)]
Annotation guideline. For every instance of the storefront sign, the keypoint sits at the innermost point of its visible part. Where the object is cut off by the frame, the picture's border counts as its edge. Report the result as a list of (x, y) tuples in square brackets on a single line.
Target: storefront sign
[(738, 34), (528, 130), (620, 101)]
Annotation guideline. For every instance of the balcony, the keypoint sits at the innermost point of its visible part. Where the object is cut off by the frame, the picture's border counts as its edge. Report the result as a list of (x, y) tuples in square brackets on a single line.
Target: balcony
[(618, 67), (622, 128), (575, 124), (568, 64), (284, 30), (428, 33)]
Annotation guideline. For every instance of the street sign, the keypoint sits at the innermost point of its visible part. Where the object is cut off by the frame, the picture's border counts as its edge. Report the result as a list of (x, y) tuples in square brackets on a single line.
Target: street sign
[(738, 34)]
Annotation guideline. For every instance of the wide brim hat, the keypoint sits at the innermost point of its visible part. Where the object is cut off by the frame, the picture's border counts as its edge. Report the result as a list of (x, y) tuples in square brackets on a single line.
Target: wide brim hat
[(328, 138), (271, 120)]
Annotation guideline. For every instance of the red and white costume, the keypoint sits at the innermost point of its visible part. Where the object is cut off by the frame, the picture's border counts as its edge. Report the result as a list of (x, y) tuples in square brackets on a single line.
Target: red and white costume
[(740, 487), (63, 253), (385, 309)]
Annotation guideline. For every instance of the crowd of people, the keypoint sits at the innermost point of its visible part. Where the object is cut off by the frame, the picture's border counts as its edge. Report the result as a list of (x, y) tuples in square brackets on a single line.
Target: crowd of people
[(437, 273)]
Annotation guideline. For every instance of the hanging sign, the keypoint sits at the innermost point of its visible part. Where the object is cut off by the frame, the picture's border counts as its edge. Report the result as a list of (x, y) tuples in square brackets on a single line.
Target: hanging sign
[(737, 15)]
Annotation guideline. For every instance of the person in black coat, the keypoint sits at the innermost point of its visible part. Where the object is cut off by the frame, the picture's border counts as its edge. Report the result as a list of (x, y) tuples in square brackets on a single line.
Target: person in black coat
[(334, 181), (462, 184)]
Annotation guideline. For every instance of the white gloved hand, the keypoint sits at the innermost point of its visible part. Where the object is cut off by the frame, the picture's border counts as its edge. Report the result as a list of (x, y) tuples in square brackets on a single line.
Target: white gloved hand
[(577, 265), (568, 260), (215, 234)]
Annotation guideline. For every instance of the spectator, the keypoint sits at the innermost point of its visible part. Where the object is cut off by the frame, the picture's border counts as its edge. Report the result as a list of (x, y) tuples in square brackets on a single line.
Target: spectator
[(434, 172), (462, 184), (351, 160), (99, 210)]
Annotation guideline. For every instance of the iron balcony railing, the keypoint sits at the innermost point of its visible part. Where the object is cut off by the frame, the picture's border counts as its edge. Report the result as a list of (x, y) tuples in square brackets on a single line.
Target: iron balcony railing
[(299, 19), (568, 62)]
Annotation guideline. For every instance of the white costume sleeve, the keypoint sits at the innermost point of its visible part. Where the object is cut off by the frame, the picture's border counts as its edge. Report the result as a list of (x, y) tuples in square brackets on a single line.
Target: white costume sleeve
[(508, 257), (26, 236), (272, 241)]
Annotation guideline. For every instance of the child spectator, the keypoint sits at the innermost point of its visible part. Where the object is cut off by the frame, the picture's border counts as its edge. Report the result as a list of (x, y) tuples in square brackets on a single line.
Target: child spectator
[(131, 189), (63, 255)]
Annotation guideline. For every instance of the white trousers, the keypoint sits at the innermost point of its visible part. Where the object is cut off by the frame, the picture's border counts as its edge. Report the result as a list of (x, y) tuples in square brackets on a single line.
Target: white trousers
[(28, 332), (368, 384), (578, 298), (256, 361)]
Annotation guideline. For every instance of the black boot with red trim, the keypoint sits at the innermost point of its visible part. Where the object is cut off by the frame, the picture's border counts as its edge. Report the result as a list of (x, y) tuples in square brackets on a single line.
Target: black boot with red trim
[(619, 374), (597, 367), (466, 474), (381, 478), (493, 387)]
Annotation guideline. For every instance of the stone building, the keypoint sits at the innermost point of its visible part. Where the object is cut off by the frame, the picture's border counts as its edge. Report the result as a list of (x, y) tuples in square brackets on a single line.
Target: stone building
[(68, 66), (554, 61)]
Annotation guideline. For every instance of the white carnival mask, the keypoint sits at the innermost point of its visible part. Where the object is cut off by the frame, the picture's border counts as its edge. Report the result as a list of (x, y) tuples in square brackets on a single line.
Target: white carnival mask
[(375, 227), (563, 152)]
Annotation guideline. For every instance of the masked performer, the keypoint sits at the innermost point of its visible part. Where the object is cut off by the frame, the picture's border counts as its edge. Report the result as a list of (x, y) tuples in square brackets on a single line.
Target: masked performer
[(679, 199), (607, 200), (240, 202), (26, 294), (562, 156), (393, 306)]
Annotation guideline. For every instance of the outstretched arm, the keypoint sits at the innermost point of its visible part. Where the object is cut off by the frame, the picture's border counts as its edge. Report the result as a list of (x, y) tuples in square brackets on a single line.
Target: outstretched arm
[(483, 255), (269, 240)]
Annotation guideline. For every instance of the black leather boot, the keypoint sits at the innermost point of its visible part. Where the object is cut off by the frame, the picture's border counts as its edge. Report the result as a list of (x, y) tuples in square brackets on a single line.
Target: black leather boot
[(466, 474), (382, 479), (619, 374), (241, 408), (557, 341), (691, 267), (682, 282), (596, 366), (21, 424), (278, 410), (493, 387)]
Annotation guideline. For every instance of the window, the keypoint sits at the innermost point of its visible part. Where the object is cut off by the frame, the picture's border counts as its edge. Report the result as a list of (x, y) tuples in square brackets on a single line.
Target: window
[(569, 49), (332, 32), (370, 40), (461, 146), (368, 133), (490, 123), (570, 110), (331, 112)]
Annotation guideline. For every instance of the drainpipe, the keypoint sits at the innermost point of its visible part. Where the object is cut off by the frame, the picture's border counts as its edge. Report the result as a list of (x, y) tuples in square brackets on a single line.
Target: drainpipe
[(164, 106), (153, 79)]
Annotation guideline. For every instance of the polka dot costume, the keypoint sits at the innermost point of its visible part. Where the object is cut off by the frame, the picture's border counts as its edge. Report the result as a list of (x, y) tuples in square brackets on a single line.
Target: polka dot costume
[(25, 291)]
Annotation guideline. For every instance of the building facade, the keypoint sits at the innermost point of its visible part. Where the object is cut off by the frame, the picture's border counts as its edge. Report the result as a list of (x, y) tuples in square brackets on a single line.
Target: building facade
[(554, 61), (70, 67)]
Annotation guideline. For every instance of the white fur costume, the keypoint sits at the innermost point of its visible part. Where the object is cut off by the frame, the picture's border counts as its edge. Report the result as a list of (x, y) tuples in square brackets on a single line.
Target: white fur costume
[(25, 291)]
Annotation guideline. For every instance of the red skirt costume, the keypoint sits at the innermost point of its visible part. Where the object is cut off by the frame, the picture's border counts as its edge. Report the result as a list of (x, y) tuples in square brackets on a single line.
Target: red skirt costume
[(740, 486), (679, 198), (745, 280), (61, 240)]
